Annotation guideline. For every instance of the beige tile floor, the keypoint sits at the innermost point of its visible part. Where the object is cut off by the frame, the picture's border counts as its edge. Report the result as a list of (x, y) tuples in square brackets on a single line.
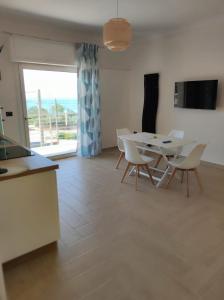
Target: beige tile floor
[(121, 244)]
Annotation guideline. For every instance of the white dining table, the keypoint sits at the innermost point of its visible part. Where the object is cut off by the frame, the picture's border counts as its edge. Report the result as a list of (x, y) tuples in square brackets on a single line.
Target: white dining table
[(160, 141)]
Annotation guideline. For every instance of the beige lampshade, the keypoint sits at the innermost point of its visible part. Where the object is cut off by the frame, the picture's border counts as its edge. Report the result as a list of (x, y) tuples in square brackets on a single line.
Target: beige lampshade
[(117, 34)]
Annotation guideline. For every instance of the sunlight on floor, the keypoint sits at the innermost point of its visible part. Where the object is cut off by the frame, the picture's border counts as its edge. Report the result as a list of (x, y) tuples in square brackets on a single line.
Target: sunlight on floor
[(65, 147)]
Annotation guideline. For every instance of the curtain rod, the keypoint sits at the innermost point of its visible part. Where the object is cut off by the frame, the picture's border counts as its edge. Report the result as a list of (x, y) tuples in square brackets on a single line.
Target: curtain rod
[(39, 38)]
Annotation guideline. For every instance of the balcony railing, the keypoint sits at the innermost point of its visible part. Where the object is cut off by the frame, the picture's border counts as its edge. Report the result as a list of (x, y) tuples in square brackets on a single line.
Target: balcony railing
[(51, 123)]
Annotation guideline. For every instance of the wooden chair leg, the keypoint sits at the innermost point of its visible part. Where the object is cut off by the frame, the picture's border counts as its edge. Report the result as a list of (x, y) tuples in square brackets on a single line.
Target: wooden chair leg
[(125, 172), (138, 168), (171, 177), (198, 179), (119, 160), (182, 176), (188, 193), (136, 177), (150, 175)]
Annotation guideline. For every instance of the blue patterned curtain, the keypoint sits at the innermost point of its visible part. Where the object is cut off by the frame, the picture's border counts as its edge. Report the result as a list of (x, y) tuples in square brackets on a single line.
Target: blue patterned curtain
[(89, 123)]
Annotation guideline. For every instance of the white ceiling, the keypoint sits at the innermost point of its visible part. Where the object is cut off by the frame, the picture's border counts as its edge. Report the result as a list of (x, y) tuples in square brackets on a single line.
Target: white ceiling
[(145, 15)]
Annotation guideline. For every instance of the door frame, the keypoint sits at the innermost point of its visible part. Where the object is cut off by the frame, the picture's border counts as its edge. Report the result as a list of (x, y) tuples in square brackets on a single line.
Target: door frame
[(42, 67)]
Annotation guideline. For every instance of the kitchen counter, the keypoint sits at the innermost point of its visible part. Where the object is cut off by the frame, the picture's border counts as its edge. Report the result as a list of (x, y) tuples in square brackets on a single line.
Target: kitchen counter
[(31, 165), (29, 217), (27, 165)]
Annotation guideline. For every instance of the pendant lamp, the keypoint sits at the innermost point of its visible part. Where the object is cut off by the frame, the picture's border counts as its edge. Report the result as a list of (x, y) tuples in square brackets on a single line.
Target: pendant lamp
[(117, 34)]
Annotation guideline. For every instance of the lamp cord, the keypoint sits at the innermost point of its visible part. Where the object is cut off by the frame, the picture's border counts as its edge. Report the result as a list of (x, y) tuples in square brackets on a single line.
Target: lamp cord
[(117, 8)]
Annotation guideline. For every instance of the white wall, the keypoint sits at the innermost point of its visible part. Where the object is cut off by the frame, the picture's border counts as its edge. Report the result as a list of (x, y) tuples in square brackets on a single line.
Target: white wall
[(114, 99), (191, 54), (42, 51), (10, 96), (10, 90)]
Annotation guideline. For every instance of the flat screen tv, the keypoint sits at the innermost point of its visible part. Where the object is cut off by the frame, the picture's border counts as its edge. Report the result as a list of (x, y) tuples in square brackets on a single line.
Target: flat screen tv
[(196, 94)]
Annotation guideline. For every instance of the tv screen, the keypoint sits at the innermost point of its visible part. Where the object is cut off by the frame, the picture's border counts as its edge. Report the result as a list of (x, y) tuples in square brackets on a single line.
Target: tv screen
[(196, 94)]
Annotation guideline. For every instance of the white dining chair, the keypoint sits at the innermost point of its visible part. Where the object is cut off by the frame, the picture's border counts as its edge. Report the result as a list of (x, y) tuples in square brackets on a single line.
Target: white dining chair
[(122, 131), (135, 159), (190, 163), (178, 134), (174, 152)]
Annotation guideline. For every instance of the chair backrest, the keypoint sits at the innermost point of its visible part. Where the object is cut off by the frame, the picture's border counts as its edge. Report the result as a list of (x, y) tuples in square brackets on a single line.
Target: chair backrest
[(120, 132), (179, 134), (193, 159), (131, 152)]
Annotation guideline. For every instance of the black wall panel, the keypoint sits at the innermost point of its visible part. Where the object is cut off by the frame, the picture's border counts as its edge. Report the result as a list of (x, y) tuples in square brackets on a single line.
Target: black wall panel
[(151, 100)]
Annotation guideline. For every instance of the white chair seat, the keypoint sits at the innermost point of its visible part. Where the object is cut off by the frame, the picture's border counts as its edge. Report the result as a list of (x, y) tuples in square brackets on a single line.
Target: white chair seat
[(141, 160), (176, 162), (183, 163)]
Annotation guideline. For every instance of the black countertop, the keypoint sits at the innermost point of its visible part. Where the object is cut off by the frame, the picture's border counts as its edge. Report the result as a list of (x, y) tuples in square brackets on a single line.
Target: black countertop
[(9, 149)]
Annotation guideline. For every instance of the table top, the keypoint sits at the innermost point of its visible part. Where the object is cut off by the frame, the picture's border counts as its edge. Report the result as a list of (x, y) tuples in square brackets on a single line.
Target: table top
[(157, 140)]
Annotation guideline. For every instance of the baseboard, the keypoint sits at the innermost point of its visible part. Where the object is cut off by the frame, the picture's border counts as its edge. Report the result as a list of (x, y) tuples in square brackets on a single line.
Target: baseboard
[(211, 164), (109, 149), (62, 156)]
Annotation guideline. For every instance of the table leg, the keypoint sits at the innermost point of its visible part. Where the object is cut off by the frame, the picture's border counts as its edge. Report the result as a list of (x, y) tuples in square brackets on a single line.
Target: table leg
[(166, 173), (160, 180), (132, 171)]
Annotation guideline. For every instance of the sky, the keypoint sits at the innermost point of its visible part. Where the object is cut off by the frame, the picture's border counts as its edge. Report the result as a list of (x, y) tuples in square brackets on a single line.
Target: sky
[(53, 84)]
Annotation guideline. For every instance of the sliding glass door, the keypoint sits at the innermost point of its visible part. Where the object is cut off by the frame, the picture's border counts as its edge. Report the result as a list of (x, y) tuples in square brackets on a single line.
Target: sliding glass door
[(50, 110)]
